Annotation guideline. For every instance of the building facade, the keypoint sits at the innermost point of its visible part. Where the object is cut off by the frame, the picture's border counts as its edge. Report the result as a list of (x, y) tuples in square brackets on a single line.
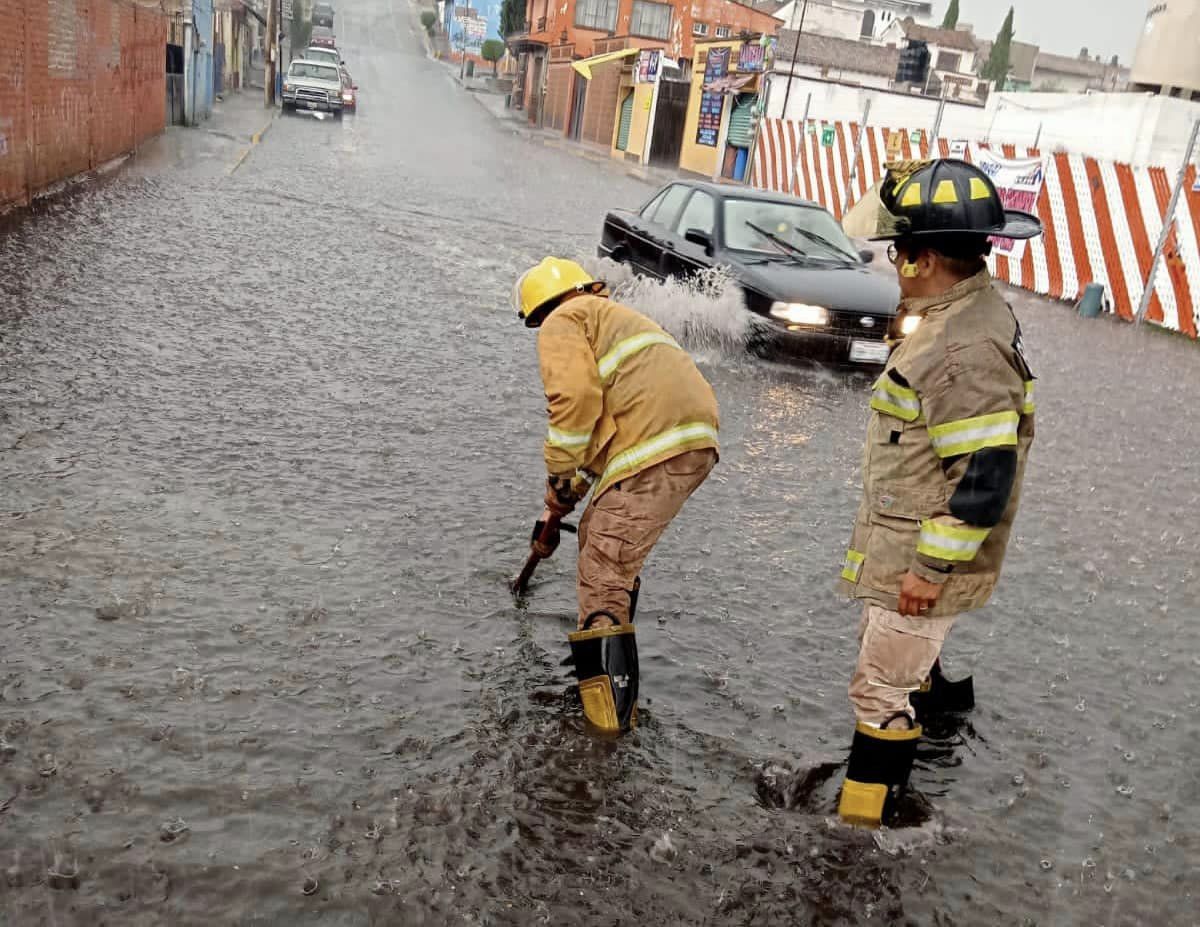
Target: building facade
[(558, 33), (953, 54), (851, 19)]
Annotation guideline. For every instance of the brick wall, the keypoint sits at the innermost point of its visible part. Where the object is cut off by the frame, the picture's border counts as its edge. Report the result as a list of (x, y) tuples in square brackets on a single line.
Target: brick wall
[(81, 82)]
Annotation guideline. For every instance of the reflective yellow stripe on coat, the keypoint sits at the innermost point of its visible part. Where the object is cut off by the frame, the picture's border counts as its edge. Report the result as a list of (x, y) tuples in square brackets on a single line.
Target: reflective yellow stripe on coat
[(969, 435), (637, 456), (891, 398), (624, 350), (950, 542)]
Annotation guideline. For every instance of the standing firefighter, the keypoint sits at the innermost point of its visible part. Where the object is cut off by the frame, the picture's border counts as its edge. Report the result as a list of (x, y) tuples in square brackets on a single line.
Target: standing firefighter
[(633, 419), (951, 428)]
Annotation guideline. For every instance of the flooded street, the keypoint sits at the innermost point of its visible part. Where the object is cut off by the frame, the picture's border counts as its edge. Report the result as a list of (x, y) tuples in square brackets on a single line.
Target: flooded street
[(270, 449)]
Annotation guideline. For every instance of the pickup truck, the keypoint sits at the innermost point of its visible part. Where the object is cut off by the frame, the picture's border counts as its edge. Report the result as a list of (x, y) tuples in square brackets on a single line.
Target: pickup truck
[(313, 85)]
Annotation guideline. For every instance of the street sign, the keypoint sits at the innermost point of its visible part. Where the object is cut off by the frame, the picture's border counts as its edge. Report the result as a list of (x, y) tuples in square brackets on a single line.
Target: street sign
[(827, 136), (894, 145), (958, 149), (915, 136)]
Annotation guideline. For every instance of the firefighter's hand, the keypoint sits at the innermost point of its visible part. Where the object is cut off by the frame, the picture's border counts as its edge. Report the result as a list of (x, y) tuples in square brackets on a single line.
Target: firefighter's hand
[(917, 596)]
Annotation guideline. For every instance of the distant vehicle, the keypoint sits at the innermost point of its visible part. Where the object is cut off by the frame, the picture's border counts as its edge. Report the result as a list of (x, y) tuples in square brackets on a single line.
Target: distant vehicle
[(798, 270), (313, 85), (349, 92), (330, 55), (322, 14), (323, 37)]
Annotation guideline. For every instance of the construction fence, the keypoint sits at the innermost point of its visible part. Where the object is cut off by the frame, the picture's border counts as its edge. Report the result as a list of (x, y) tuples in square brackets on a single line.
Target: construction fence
[(82, 82), (1102, 219)]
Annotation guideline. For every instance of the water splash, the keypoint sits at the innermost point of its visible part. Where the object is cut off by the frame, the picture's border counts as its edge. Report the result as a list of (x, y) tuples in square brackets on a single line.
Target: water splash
[(705, 313)]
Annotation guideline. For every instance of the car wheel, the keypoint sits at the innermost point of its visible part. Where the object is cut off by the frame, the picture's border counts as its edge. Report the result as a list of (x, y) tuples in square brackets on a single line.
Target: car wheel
[(289, 108), (337, 113)]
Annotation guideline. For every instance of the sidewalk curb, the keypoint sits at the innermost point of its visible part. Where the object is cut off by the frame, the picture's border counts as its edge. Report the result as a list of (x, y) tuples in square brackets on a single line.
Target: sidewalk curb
[(255, 140)]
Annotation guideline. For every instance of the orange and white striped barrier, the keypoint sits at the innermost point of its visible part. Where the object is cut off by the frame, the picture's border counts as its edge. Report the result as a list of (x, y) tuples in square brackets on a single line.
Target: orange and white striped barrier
[(1102, 218)]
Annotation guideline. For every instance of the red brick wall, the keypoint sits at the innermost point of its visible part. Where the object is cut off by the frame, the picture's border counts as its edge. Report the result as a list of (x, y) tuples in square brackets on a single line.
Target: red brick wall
[(81, 82)]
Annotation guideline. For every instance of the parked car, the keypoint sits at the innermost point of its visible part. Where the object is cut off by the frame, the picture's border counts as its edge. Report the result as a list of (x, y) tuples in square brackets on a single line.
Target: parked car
[(322, 14), (322, 53), (323, 37), (798, 270), (313, 85)]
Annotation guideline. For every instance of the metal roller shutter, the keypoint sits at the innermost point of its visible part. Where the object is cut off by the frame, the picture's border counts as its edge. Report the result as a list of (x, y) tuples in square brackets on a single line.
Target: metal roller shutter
[(741, 122), (626, 119)]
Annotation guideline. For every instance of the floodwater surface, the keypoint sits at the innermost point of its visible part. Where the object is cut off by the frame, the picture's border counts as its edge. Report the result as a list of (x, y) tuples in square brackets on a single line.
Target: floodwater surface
[(270, 448)]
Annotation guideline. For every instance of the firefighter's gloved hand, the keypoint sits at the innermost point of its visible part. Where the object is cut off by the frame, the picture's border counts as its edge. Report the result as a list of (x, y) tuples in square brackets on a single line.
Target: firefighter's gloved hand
[(564, 492), (547, 533)]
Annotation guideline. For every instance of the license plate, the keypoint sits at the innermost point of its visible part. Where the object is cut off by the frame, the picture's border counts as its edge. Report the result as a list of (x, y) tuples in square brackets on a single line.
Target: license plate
[(869, 352), (310, 105)]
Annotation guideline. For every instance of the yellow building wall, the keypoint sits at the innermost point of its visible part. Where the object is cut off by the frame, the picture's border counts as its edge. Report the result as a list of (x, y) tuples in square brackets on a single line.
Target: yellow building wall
[(643, 97), (700, 159)]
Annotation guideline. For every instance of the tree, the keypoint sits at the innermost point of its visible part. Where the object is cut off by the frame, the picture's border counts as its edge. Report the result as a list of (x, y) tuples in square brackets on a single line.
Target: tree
[(428, 20), (997, 65), (951, 19), (512, 16), (493, 50)]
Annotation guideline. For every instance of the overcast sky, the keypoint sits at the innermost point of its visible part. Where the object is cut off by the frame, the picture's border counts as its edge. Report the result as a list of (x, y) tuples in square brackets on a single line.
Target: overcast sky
[(1106, 27)]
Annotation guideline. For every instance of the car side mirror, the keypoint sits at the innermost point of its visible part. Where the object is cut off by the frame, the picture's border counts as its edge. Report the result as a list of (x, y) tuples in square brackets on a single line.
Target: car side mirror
[(701, 238), (867, 255)]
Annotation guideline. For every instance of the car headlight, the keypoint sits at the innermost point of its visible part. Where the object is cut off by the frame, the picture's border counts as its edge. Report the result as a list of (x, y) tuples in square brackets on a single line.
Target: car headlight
[(287, 88), (910, 324), (800, 313)]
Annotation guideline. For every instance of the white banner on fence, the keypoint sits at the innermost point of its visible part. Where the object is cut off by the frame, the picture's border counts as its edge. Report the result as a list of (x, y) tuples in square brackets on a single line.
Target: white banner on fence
[(1019, 182)]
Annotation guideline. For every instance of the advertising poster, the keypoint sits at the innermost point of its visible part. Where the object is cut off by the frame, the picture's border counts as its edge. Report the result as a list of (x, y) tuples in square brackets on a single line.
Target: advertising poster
[(648, 63), (712, 105), (752, 57), (1019, 182)]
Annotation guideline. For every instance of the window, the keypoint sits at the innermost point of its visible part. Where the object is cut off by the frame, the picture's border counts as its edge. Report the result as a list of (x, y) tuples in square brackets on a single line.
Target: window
[(949, 61), (789, 223), (722, 32), (668, 209), (600, 15), (699, 28), (701, 213), (648, 210), (652, 20)]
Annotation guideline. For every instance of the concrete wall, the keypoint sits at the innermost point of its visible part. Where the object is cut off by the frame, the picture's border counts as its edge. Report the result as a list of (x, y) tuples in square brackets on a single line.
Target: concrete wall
[(1137, 129), (81, 82)]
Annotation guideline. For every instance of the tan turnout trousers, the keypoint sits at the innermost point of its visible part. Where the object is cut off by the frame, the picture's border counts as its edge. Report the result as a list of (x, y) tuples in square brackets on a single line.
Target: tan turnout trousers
[(895, 654), (618, 530)]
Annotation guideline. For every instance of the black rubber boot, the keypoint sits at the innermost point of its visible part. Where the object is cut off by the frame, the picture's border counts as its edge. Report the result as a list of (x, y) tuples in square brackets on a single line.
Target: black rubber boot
[(877, 774), (941, 696)]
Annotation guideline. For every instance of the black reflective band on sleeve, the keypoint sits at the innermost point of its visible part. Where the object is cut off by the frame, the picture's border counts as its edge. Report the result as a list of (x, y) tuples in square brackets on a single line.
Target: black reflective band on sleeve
[(983, 493)]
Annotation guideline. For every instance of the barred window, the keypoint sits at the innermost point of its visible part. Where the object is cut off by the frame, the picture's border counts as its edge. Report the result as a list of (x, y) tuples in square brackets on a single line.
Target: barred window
[(652, 20), (596, 14), (722, 32)]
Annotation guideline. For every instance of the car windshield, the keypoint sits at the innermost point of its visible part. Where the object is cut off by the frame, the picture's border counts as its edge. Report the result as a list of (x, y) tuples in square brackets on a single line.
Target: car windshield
[(318, 71), (774, 228), (323, 54)]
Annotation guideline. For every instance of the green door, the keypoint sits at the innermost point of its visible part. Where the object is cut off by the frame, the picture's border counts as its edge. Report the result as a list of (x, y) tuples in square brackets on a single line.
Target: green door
[(741, 121), (626, 119)]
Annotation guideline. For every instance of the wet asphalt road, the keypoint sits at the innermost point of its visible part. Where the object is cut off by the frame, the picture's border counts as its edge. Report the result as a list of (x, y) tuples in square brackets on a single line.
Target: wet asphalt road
[(270, 448)]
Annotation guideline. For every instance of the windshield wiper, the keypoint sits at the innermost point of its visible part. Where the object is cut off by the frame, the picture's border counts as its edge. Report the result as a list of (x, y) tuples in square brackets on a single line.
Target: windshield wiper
[(782, 243), (826, 243)]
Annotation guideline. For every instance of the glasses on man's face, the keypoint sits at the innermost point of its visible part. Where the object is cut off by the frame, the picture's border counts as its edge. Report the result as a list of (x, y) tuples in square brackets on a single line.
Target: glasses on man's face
[(893, 253)]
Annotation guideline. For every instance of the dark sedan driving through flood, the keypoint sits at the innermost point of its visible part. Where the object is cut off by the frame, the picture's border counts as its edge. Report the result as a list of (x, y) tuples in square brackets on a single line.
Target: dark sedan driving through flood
[(798, 270)]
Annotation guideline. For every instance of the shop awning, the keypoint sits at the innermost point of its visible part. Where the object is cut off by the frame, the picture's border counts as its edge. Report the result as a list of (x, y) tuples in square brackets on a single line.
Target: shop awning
[(584, 65)]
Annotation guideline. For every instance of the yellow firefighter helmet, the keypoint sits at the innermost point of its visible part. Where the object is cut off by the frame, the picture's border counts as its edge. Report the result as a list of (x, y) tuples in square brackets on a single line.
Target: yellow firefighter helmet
[(541, 287)]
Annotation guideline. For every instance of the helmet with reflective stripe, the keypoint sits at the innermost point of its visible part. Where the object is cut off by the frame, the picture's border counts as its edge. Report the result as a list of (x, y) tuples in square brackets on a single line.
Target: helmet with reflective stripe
[(946, 197), (541, 288)]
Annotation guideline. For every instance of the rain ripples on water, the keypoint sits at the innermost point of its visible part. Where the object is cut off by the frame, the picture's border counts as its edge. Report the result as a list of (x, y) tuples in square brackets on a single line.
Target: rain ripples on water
[(270, 448)]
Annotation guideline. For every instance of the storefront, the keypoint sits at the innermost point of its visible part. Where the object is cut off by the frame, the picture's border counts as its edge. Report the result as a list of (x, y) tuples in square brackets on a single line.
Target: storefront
[(727, 79)]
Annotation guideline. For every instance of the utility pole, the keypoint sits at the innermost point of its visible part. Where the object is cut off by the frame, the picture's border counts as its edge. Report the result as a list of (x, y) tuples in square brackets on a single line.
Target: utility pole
[(795, 54), (270, 64), (1168, 224), (858, 143)]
